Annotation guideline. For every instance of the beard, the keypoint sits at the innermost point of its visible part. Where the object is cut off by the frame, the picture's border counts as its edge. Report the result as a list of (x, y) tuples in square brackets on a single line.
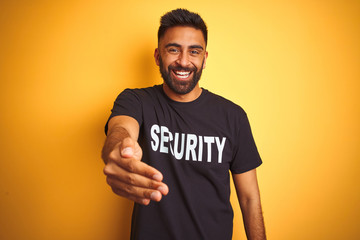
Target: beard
[(180, 86)]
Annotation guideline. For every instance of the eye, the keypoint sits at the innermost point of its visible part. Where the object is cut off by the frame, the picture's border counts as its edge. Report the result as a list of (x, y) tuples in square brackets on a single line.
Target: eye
[(173, 50), (194, 52)]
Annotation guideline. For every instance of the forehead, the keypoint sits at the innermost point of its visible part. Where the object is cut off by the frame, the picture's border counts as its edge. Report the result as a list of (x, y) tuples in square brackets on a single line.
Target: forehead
[(184, 36)]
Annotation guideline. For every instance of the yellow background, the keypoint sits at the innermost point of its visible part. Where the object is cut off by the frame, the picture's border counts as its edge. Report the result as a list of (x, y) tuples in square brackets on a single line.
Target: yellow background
[(292, 65)]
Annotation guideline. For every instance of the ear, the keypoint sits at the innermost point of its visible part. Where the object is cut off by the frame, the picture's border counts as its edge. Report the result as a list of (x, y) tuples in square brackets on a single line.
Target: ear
[(206, 55), (156, 56)]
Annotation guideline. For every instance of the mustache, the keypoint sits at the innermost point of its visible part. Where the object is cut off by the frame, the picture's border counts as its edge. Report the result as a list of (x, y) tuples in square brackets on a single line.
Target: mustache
[(185, 69)]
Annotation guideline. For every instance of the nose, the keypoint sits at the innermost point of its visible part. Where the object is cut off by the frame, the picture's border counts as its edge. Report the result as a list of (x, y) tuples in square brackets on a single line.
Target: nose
[(183, 59)]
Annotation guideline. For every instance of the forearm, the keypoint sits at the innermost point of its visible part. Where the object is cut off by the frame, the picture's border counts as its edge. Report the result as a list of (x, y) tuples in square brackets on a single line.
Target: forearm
[(119, 128), (248, 193), (115, 135), (253, 219)]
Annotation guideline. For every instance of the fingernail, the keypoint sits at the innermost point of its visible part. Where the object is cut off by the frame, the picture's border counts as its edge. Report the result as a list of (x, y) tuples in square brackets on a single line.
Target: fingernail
[(145, 201), (127, 151), (157, 177), (155, 196), (162, 189)]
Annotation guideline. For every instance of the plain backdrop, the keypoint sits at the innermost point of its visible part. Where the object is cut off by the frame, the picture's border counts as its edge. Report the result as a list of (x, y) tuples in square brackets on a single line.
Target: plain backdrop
[(292, 65)]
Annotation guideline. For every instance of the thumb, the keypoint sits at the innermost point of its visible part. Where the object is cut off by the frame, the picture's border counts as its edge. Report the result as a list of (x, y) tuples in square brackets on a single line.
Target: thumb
[(127, 148)]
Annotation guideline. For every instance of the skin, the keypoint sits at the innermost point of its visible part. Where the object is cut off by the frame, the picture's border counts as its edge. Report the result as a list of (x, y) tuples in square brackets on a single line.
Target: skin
[(248, 193), (184, 47), (125, 173), (180, 47)]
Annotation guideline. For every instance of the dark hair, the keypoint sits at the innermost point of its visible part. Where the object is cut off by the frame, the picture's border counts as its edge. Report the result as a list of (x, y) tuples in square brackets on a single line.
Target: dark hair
[(181, 17)]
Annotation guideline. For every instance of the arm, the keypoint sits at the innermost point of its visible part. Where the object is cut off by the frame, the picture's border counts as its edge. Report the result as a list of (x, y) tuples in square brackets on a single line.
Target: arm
[(247, 190), (125, 173)]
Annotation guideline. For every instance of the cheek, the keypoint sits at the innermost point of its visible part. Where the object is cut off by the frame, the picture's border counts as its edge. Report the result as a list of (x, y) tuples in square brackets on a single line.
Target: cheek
[(198, 62), (171, 60), (199, 65), (167, 61)]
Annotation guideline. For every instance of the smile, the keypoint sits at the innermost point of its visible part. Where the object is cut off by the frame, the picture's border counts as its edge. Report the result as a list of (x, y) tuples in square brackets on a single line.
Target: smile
[(182, 74)]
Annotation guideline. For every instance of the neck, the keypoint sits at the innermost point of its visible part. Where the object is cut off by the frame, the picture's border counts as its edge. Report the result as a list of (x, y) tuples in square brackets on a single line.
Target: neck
[(189, 97)]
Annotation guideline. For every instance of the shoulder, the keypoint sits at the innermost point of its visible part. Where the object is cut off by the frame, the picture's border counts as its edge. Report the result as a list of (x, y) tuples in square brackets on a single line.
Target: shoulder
[(223, 103), (142, 94), (144, 91)]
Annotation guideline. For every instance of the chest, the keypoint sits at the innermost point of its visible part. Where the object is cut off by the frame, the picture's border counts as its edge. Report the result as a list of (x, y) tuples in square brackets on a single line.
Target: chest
[(201, 134)]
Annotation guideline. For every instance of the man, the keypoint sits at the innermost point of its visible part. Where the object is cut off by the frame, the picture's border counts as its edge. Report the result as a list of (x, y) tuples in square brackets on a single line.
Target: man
[(170, 147)]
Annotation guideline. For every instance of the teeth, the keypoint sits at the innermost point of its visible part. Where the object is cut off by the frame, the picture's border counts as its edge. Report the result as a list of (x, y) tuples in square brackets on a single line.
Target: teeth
[(182, 74)]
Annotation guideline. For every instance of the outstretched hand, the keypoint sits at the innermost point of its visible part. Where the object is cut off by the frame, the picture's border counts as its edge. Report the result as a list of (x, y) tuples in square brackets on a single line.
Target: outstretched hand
[(130, 178)]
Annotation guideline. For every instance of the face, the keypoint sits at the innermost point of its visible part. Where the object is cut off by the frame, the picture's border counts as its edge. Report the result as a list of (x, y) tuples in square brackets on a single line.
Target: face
[(181, 57)]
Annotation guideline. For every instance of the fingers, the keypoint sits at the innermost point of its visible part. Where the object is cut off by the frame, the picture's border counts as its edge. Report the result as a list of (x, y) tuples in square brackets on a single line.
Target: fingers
[(137, 194), (128, 154), (134, 186), (131, 178), (129, 148), (140, 168)]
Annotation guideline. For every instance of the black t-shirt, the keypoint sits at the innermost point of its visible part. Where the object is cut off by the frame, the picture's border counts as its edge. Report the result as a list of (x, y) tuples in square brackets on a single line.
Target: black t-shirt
[(194, 145)]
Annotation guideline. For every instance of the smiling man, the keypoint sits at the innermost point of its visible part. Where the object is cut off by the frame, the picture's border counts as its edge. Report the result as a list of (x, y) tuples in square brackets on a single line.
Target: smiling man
[(184, 63), (170, 147)]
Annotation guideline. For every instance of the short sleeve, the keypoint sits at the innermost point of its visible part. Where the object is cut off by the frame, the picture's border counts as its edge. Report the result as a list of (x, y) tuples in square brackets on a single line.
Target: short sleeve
[(128, 103), (246, 156)]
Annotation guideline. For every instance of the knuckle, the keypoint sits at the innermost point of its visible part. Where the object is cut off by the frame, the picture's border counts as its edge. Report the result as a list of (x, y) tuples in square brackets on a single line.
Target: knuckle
[(107, 170), (130, 166), (112, 156), (110, 160), (151, 184), (147, 194), (128, 189), (130, 179)]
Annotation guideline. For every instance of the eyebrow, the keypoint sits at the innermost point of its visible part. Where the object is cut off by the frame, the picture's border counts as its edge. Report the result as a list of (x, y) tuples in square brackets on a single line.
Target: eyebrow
[(178, 45)]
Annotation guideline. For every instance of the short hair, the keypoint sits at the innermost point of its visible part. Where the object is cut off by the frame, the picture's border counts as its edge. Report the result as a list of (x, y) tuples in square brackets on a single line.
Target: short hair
[(182, 17)]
